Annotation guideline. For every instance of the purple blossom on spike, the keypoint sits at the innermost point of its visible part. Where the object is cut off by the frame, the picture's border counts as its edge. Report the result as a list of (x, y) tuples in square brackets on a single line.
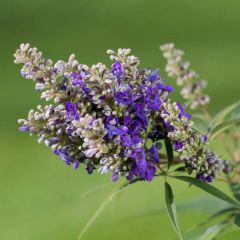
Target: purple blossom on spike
[(118, 71), (182, 112), (150, 172), (203, 178), (24, 128), (71, 111), (154, 153), (77, 78), (154, 75), (104, 117), (76, 164), (205, 138), (177, 145), (115, 176), (63, 155)]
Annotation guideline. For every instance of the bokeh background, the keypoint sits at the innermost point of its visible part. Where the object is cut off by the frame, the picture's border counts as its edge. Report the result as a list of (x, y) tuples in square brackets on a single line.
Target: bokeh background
[(41, 198)]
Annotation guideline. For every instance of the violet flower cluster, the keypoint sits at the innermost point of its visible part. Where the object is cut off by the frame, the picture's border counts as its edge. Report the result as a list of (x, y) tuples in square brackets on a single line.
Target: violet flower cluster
[(112, 119)]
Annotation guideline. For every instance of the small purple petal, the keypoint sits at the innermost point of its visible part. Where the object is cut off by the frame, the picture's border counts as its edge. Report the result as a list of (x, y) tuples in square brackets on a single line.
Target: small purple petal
[(24, 128), (154, 153), (71, 111), (118, 71), (182, 112), (76, 164), (115, 177)]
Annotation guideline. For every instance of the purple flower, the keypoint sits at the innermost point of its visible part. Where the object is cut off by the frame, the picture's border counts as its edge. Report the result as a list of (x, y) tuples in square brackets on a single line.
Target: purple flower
[(150, 172), (169, 127), (111, 120), (154, 75), (53, 140), (177, 145), (204, 138), (182, 112), (115, 177), (154, 103), (138, 154), (207, 179), (76, 164), (142, 118), (71, 111), (63, 155), (118, 71), (77, 78), (143, 168), (153, 151), (166, 88), (24, 128), (116, 131), (123, 97), (128, 141)]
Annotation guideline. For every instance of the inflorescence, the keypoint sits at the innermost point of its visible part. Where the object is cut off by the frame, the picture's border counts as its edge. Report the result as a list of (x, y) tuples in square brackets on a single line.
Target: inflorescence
[(178, 68), (114, 119)]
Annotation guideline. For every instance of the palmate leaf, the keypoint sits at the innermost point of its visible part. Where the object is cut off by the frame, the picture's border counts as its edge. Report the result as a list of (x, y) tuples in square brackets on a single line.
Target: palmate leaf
[(201, 232), (199, 116), (237, 220), (235, 188), (226, 212), (207, 234), (219, 118), (210, 233), (213, 132), (169, 151), (171, 209), (208, 188), (200, 127), (199, 123), (215, 230)]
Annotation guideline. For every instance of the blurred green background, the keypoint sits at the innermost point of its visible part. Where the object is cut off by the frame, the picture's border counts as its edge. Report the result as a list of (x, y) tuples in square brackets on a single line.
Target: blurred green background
[(41, 198)]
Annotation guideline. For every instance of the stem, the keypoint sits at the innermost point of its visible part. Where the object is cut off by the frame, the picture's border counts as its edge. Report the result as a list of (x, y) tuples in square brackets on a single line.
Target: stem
[(206, 113), (222, 135), (175, 159), (228, 149)]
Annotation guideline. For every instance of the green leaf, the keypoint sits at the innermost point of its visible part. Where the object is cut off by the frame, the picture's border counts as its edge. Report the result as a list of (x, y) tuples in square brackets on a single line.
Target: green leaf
[(199, 117), (180, 169), (208, 188), (223, 126), (214, 231), (169, 151), (171, 209), (221, 213), (200, 127), (237, 220), (223, 114), (199, 123), (235, 187)]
